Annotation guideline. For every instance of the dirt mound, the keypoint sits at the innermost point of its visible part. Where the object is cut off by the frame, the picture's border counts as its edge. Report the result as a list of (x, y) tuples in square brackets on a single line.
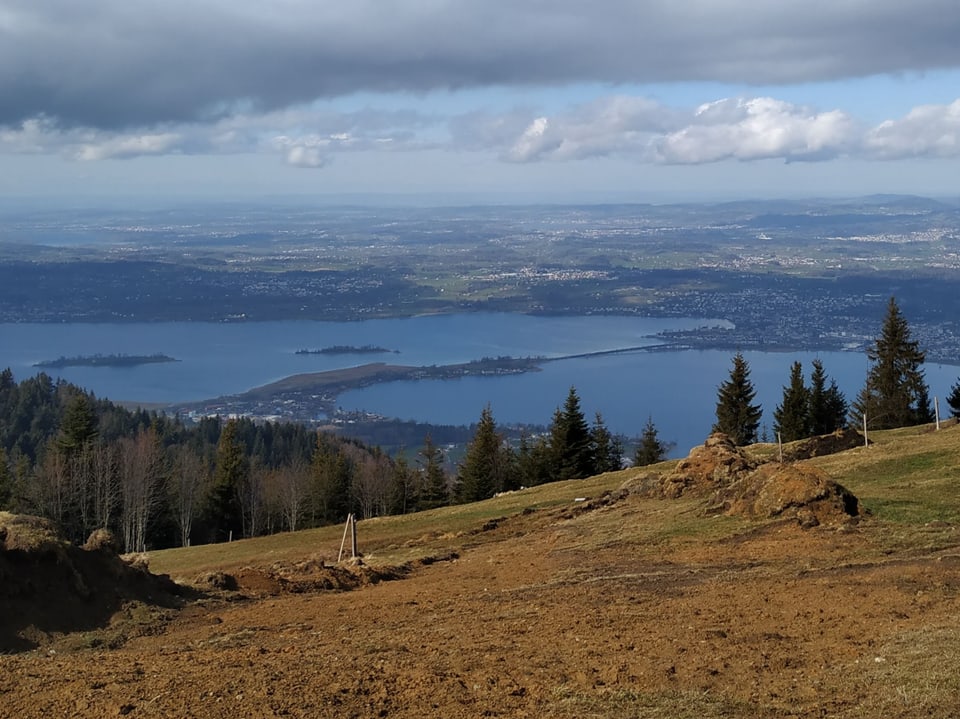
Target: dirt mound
[(716, 463), (738, 485), (787, 491), (49, 587), (839, 441), (311, 575)]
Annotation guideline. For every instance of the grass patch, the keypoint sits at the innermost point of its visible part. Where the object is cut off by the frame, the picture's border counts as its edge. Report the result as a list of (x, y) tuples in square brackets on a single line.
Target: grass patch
[(383, 540), (913, 675)]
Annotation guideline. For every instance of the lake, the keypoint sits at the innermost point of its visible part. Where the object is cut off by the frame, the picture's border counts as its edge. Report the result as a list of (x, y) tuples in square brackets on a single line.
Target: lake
[(676, 389)]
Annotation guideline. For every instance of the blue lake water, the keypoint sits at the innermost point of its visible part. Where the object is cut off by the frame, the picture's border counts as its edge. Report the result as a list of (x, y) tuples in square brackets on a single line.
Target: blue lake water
[(678, 389)]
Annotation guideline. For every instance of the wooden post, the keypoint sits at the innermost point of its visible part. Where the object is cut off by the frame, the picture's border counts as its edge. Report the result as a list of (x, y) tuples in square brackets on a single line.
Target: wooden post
[(936, 409), (351, 527), (343, 541), (353, 536), (865, 442), (230, 537), (780, 445)]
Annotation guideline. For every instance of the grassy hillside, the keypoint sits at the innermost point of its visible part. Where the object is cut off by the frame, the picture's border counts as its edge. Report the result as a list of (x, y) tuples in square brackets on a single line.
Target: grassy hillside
[(908, 480), (565, 601)]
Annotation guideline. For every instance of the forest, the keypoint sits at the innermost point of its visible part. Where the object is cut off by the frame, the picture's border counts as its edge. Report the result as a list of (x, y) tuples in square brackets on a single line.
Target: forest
[(156, 481)]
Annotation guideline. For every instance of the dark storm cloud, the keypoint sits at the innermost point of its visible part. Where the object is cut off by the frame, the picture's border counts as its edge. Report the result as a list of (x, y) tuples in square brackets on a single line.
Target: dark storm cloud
[(127, 63)]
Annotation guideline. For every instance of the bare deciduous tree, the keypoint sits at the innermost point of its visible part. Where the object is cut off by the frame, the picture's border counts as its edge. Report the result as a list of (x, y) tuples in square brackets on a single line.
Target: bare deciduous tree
[(141, 476), (189, 477)]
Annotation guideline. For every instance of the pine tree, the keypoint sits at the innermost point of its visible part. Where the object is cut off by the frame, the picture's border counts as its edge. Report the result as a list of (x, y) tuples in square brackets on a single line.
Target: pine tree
[(650, 449), (791, 418), (570, 441), (828, 406), (230, 473), (404, 492), (481, 474), (534, 462), (953, 399), (736, 416), (607, 449), (6, 481), (435, 488), (79, 426), (895, 393)]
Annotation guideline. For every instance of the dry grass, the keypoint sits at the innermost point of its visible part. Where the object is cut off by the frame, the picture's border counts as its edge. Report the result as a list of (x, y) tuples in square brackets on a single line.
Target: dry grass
[(906, 479), (915, 674)]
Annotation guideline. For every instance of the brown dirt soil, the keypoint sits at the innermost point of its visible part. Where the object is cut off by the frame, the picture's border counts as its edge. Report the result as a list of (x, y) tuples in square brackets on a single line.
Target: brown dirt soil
[(548, 614)]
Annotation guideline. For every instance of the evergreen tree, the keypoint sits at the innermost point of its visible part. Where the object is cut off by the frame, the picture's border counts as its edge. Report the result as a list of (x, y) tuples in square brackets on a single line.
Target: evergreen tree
[(230, 474), (607, 448), (570, 441), (6, 481), (791, 418), (736, 416), (534, 462), (828, 406), (480, 474), (436, 490), (79, 425), (404, 492), (953, 399), (331, 473), (895, 393), (650, 449)]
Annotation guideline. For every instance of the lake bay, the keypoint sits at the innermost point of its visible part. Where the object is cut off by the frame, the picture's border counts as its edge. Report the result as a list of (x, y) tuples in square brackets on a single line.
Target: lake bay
[(676, 388)]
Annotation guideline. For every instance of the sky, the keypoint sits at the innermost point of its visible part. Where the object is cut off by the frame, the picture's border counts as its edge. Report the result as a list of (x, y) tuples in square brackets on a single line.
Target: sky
[(523, 100)]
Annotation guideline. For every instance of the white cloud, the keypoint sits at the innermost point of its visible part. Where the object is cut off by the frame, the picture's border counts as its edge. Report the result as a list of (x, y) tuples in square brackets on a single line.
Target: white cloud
[(742, 129), (305, 156), (644, 130), (758, 129), (127, 146), (926, 131)]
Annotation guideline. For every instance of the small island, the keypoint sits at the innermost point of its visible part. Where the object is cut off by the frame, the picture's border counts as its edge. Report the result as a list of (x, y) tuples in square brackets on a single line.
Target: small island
[(348, 350), (99, 360)]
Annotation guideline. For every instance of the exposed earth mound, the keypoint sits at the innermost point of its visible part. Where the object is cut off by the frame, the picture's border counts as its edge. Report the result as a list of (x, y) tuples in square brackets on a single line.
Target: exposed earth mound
[(49, 587), (311, 575), (738, 485), (776, 490), (839, 441)]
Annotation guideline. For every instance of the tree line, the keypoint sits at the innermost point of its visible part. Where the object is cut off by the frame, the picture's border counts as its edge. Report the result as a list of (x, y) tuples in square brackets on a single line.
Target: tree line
[(156, 481), (895, 393)]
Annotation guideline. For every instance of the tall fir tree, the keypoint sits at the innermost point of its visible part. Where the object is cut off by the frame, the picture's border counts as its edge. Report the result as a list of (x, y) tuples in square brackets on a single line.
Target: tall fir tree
[(607, 448), (953, 399), (570, 441), (828, 406), (791, 418), (737, 416), (650, 449), (230, 473), (331, 475), (435, 489), (78, 428), (482, 472), (895, 393), (404, 490)]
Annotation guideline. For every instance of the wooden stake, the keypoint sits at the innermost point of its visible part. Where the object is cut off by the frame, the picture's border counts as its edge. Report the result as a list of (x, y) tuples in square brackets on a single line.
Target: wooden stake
[(936, 409), (353, 536), (865, 442), (780, 445), (344, 540)]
